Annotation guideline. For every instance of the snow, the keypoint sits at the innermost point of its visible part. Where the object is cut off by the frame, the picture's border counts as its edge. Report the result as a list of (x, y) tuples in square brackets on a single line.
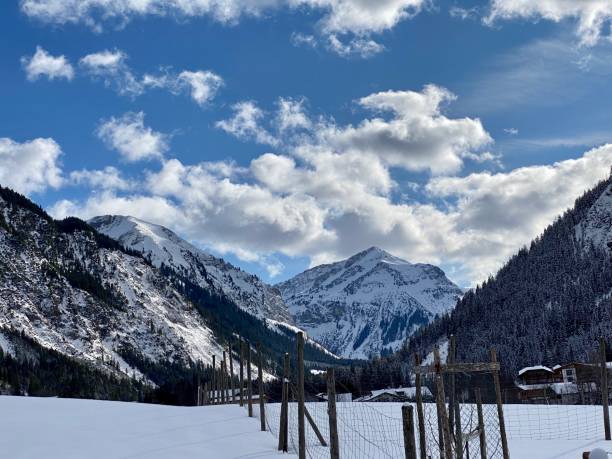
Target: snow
[(534, 368), (369, 302), (162, 245), (53, 428)]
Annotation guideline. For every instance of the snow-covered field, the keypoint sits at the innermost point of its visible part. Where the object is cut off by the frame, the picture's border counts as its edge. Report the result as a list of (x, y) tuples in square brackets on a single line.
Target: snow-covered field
[(63, 428), (51, 428)]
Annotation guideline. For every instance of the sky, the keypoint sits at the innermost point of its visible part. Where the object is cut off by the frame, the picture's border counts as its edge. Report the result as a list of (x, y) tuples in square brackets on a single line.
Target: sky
[(282, 134)]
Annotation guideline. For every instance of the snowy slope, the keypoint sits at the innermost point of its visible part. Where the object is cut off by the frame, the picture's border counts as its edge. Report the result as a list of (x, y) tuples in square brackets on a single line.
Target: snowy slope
[(71, 293), (596, 227), (78, 429), (368, 303), (162, 245)]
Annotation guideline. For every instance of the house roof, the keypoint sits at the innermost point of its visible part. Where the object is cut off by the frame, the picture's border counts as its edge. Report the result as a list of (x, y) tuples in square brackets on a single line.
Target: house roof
[(408, 392), (522, 371)]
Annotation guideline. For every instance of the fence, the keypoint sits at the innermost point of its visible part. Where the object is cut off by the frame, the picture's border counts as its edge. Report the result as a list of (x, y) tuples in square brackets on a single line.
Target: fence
[(471, 417)]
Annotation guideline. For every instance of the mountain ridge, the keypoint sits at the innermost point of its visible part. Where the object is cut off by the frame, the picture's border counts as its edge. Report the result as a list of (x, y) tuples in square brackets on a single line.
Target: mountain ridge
[(368, 303)]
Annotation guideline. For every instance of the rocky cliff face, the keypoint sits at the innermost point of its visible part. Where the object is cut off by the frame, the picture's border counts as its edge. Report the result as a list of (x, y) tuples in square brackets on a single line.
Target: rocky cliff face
[(369, 303), (162, 246)]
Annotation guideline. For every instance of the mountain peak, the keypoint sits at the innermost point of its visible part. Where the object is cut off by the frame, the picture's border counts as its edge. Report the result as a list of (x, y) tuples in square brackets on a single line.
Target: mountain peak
[(162, 246)]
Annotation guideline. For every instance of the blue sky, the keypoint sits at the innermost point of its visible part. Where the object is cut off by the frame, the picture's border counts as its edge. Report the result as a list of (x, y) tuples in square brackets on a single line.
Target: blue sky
[(443, 132)]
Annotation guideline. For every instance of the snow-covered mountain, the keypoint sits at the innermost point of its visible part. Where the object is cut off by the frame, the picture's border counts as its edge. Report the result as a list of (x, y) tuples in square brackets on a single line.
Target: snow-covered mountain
[(162, 246), (368, 303), (76, 291), (596, 227)]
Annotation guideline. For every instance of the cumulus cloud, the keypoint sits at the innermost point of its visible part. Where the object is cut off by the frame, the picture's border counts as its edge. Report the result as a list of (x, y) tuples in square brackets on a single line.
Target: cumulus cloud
[(108, 178), (358, 18), (593, 16), (132, 139), (31, 166), (417, 136), (323, 196), (245, 124), (41, 63), (111, 67)]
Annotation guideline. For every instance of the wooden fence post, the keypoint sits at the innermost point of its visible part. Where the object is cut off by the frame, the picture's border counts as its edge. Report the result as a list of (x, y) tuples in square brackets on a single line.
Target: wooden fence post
[(301, 401), (262, 409), (441, 404), (231, 364), (283, 443), (420, 413), (222, 378), (334, 444), (241, 379), (604, 388), (455, 417), (249, 385), (409, 440), (500, 407), (214, 380), (481, 426), (206, 393)]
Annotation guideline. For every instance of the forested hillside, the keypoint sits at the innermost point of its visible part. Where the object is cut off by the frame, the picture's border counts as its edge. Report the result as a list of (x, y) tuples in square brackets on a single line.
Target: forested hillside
[(549, 303)]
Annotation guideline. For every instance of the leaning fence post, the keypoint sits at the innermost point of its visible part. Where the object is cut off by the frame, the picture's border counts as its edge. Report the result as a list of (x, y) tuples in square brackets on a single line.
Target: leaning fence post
[(231, 363), (262, 409), (283, 444), (249, 385), (604, 387), (420, 414), (481, 427), (241, 372), (334, 445), (500, 407), (409, 440), (441, 404), (301, 404)]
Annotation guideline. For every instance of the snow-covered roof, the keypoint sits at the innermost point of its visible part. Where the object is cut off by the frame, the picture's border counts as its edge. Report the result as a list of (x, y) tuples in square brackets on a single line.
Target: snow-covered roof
[(408, 392), (534, 368)]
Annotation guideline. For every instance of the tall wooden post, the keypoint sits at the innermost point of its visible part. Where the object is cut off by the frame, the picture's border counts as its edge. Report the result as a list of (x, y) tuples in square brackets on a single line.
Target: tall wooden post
[(241, 379), (441, 404), (222, 378), (481, 427), (408, 423), (301, 401), (231, 364), (454, 403), (334, 442), (500, 407), (249, 385), (214, 380), (262, 409), (604, 388), (420, 413), (283, 441)]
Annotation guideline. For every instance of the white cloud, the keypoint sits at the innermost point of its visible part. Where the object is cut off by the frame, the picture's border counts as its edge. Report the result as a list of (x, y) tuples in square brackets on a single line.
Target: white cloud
[(464, 13), (43, 64), (245, 124), (112, 68), (291, 114), (593, 16), (356, 16), (108, 178), (203, 85), (359, 18), (132, 139), (361, 47), (511, 131), (31, 166), (418, 136)]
